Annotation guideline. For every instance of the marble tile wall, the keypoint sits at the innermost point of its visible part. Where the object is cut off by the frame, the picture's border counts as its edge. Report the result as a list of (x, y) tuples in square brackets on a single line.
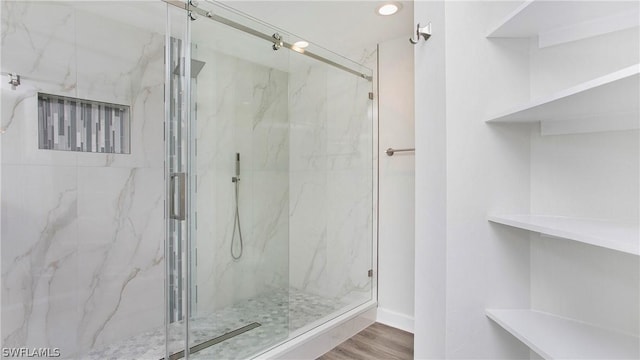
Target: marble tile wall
[(82, 233), (332, 181), (242, 108), (306, 197)]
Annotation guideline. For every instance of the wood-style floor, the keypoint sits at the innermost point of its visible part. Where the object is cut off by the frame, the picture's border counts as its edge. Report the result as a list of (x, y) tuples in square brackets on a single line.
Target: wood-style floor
[(377, 342)]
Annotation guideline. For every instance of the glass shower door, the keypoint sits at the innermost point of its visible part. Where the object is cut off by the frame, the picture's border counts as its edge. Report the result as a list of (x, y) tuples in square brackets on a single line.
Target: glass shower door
[(240, 194), (271, 184), (178, 154)]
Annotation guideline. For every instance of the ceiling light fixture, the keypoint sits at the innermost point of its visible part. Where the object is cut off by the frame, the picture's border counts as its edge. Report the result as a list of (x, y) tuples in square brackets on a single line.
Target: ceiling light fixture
[(388, 9)]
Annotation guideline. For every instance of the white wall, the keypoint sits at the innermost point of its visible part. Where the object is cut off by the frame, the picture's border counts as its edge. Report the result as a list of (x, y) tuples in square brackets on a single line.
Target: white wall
[(588, 175), (431, 185), (396, 180), (470, 265), (464, 170)]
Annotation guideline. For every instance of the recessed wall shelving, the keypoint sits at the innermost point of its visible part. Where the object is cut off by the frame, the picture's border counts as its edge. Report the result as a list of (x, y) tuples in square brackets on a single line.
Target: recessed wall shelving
[(609, 102), (555, 22), (554, 337), (610, 99), (607, 234)]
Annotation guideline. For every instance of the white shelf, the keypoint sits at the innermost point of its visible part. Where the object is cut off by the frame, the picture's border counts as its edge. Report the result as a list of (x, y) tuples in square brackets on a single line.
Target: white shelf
[(604, 99), (555, 22), (611, 235), (554, 337)]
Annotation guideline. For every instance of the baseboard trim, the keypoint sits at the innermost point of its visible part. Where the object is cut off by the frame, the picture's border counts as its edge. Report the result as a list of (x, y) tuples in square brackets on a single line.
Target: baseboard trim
[(395, 319)]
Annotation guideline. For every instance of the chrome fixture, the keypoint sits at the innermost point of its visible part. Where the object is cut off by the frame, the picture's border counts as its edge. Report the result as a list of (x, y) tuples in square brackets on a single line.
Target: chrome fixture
[(177, 196), (425, 32), (277, 41), (14, 80), (192, 15), (216, 340), (236, 220), (264, 36), (391, 151)]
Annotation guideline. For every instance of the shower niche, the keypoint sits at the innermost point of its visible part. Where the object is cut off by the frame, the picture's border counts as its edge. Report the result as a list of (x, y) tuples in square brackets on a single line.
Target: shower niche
[(71, 124)]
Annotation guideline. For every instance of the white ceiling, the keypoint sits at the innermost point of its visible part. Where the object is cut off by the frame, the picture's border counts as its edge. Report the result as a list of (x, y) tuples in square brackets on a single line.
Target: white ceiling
[(344, 27)]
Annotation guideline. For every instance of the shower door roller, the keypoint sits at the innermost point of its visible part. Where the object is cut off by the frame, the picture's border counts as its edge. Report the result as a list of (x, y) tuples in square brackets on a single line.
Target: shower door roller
[(177, 196)]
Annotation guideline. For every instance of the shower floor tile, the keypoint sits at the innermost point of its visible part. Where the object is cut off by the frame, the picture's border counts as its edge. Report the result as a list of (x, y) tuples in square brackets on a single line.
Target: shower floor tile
[(279, 313)]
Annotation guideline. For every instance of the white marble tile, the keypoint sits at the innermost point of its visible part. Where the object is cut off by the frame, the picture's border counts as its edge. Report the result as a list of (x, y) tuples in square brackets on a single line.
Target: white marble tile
[(350, 128), (308, 116), (122, 267), (37, 45), (113, 58), (242, 108), (83, 255), (349, 232), (39, 257), (121, 64), (20, 137), (37, 42), (308, 230), (87, 71), (331, 182)]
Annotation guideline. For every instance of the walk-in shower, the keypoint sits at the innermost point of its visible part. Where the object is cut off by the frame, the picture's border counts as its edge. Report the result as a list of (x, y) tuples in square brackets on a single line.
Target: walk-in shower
[(139, 246)]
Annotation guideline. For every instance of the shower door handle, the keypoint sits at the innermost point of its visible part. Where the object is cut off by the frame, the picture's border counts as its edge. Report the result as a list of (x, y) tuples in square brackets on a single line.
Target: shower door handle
[(177, 195)]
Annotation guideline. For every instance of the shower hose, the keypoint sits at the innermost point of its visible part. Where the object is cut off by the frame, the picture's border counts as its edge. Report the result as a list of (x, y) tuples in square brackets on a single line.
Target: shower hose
[(236, 224)]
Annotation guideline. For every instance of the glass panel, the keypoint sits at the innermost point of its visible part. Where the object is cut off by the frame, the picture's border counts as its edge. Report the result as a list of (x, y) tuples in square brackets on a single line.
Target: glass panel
[(331, 179), (288, 245), (177, 146), (241, 263)]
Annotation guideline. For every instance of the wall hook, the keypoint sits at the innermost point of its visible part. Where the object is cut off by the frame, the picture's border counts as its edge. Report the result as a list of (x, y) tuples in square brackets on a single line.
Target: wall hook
[(14, 81), (421, 31)]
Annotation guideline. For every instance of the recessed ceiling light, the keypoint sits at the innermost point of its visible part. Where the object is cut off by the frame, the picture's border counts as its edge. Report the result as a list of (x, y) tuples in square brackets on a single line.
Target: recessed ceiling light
[(301, 44), (388, 9)]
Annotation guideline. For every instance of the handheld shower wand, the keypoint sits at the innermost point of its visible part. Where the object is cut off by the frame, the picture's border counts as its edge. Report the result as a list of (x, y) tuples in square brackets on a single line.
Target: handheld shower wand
[(237, 166), (236, 220)]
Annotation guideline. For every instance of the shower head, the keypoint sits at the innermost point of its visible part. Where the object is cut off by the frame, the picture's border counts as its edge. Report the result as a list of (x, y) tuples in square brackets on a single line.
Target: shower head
[(196, 66)]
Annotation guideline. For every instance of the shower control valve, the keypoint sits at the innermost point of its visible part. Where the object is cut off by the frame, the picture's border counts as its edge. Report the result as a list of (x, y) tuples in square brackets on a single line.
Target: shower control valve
[(235, 179)]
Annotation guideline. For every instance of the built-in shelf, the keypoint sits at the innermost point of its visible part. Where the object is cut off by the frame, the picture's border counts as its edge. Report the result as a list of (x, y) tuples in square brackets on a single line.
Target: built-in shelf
[(607, 234), (554, 337), (611, 101), (555, 22)]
